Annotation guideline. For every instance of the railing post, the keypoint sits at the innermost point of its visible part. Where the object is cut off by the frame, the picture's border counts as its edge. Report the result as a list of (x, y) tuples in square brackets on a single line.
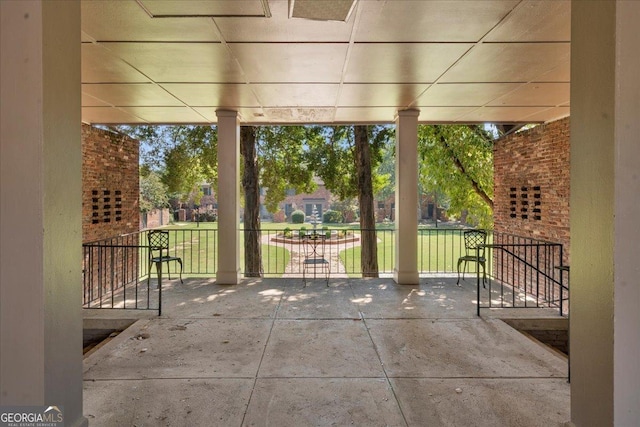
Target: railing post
[(478, 282)]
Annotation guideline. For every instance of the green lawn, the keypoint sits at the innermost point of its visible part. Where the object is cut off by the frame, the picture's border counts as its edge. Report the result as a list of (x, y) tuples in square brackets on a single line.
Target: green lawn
[(196, 244)]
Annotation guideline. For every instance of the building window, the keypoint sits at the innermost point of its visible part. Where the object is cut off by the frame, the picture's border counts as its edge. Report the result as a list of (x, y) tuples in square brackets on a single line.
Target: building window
[(206, 190), (380, 205)]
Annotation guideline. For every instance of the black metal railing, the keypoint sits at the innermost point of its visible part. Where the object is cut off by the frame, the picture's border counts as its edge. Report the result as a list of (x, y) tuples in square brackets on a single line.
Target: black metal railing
[(439, 250), (116, 270), (283, 251), (523, 273), (113, 274)]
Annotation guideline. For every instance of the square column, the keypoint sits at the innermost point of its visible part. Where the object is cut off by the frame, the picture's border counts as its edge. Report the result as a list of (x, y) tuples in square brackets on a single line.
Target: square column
[(405, 271), (228, 198), (605, 237), (41, 207)]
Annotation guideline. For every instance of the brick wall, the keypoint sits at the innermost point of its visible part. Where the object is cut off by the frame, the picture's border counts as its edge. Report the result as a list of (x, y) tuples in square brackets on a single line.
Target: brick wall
[(110, 189), (155, 218), (110, 184), (531, 184), (321, 196)]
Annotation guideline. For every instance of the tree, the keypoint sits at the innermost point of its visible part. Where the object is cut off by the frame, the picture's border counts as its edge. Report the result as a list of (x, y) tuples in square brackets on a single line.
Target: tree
[(250, 180), (282, 161), (345, 159), (458, 161), (369, 247), (184, 156), (153, 193)]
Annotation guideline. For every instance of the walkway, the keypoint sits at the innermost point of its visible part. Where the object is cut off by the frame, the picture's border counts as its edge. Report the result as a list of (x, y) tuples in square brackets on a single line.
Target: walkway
[(359, 353)]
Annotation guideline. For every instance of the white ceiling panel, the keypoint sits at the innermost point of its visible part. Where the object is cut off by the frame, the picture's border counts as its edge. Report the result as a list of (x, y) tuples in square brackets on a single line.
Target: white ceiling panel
[(380, 95), (464, 94), (101, 66), (366, 115), (499, 114), (108, 115), (548, 115), (176, 61), (297, 95), (136, 94), (550, 94), (299, 115), (206, 94), (180, 62), (247, 114), (535, 21), (281, 28), (90, 101), (412, 21), (127, 21), (166, 115), (291, 62), (443, 114), (204, 7), (561, 73), (401, 63), (508, 62)]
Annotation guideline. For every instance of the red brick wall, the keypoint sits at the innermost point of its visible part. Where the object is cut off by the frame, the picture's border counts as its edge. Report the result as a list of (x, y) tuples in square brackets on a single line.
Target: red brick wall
[(299, 201), (110, 189), (110, 184), (531, 168), (155, 218)]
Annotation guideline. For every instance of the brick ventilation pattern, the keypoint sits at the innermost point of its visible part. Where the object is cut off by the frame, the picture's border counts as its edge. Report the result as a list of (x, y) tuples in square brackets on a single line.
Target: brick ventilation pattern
[(110, 184), (531, 198), (110, 191), (532, 184)]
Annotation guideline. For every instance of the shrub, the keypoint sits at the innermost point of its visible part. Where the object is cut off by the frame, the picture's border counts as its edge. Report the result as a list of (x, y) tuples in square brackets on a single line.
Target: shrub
[(287, 232), (332, 217), (302, 232), (297, 217)]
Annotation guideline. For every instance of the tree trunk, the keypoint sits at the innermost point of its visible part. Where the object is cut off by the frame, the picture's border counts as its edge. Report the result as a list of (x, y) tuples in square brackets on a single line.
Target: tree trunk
[(250, 179), (369, 243)]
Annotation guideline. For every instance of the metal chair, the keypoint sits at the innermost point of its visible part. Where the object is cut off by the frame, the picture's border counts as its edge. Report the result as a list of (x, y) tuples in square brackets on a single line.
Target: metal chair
[(474, 241), (159, 243), (314, 246)]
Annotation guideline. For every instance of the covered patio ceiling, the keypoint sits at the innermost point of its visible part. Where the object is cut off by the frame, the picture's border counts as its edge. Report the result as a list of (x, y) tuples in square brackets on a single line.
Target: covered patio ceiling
[(149, 61)]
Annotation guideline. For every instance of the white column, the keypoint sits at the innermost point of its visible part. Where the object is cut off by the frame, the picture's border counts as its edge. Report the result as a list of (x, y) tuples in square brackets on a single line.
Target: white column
[(605, 207), (405, 271), (228, 198), (41, 207)]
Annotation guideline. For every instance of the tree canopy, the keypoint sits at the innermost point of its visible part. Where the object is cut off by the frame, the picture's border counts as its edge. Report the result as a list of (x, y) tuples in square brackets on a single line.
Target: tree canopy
[(184, 156), (153, 193), (457, 160)]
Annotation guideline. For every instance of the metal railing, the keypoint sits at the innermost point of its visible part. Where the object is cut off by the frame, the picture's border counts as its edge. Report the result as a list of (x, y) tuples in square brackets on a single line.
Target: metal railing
[(113, 274), (283, 251), (523, 273), (116, 270), (439, 250)]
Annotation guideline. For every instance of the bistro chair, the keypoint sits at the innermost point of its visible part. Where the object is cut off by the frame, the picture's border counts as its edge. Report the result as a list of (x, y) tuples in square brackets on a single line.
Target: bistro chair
[(159, 252), (474, 241), (314, 246)]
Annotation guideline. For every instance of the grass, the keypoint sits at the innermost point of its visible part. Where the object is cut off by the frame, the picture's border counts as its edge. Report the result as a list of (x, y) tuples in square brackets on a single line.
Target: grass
[(196, 244)]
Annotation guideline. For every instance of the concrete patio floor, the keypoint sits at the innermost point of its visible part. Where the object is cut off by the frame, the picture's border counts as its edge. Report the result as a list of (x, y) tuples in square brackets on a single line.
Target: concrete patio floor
[(269, 352)]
